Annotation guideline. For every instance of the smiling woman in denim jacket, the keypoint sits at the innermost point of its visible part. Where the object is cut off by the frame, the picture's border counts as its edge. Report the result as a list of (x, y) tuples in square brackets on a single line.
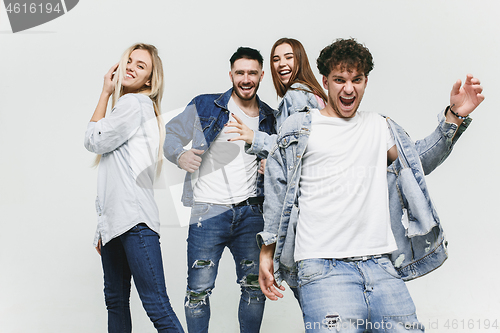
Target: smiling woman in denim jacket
[(295, 83), (294, 80), (129, 142)]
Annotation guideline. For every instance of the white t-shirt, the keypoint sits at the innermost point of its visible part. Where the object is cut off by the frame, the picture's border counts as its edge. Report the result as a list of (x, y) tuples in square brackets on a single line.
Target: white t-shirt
[(343, 202), (228, 174)]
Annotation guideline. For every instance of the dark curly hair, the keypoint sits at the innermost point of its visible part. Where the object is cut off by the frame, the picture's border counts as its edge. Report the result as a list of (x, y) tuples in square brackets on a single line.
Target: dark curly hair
[(346, 53)]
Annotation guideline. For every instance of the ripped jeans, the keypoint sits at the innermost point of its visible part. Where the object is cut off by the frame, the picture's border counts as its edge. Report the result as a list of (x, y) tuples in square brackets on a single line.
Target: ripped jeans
[(212, 228), (355, 297)]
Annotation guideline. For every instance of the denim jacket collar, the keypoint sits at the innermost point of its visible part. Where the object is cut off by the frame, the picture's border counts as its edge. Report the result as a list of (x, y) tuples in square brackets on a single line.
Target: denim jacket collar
[(223, 99), (200, 123)]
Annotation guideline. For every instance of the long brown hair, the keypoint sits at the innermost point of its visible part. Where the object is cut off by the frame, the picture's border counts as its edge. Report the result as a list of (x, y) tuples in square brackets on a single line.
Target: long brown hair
[(301, 72)]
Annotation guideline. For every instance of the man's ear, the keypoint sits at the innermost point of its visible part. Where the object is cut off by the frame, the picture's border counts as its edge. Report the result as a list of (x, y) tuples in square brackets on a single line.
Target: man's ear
[(261, 76), (325, 82)]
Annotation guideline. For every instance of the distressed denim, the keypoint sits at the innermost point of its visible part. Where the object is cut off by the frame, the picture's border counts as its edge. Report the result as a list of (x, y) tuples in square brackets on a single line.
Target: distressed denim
[(421, 243), (212, 228), (355, 297), (137, 254), (200, 123), (298, 98)]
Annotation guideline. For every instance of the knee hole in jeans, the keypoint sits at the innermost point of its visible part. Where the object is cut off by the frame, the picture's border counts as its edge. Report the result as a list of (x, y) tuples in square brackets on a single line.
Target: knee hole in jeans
[(203, 263), (250, 289), (250, 281), (247, 263), (195, 299)]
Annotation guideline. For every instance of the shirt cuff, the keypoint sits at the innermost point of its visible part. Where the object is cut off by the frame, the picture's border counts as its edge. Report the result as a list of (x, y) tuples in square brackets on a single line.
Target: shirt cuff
[(451, 130), (266, 238), (257, 144)]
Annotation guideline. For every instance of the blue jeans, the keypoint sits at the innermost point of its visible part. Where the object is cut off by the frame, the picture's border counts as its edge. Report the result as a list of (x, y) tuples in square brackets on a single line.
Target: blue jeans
[(212, 228), (136, 253), (355, 297)]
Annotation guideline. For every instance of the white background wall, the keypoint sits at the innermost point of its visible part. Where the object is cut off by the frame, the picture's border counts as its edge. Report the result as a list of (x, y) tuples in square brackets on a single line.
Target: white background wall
[(50, 80)]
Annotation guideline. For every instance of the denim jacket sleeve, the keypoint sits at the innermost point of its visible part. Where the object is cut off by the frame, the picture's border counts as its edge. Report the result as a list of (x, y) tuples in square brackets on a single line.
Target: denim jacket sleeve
[(114, 130), (296, 99), (179, 132), (261, 145), (436, 147), (275, 185)]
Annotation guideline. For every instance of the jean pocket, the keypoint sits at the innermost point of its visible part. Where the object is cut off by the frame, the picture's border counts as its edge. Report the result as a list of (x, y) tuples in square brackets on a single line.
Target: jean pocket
[(310, 270), (256, 209), (199, 209), (386, 264)]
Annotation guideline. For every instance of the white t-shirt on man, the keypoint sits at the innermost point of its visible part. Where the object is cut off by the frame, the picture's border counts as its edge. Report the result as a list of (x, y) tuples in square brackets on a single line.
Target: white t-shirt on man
[(228, 174), (343, 202)]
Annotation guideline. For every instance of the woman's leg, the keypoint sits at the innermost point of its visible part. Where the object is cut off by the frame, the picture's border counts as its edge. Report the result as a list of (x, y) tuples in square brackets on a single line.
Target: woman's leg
[(142, 247), (116, 286)]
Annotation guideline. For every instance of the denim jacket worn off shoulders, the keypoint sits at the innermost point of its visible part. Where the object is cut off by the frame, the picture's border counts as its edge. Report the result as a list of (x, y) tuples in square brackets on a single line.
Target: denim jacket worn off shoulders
[(415, 223), (297, 98), (200, 123)]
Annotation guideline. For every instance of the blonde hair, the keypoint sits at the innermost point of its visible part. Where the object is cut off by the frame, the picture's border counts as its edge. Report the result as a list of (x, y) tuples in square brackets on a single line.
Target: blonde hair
[(154, 91)]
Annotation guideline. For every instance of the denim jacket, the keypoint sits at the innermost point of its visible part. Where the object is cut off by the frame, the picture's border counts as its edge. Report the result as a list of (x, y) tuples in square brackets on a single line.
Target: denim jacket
[(201, 122), (297, 98), (420, 239)]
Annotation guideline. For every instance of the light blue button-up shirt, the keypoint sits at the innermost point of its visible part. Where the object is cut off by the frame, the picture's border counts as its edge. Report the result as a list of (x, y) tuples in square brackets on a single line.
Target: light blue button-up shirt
[(128, 139)]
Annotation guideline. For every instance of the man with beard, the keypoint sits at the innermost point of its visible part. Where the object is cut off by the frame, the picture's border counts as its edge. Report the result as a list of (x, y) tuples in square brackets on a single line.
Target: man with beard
[(224, 189)]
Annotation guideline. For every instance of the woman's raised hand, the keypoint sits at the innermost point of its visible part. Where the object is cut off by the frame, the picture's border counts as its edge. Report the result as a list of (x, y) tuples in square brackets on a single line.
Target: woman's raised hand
[(246, 134), (110, 79)]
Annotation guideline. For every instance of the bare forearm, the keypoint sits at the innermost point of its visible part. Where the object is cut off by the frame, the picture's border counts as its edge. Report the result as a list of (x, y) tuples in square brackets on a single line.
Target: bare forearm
[(267, 282), (100, 110), (267, 251)]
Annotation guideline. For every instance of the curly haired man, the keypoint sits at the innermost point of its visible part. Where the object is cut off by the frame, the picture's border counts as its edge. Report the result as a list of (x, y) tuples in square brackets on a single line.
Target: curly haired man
[(348, 217)]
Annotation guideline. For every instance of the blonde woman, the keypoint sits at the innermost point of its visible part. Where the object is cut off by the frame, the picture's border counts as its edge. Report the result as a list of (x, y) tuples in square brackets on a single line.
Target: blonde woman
[(129, 141)]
